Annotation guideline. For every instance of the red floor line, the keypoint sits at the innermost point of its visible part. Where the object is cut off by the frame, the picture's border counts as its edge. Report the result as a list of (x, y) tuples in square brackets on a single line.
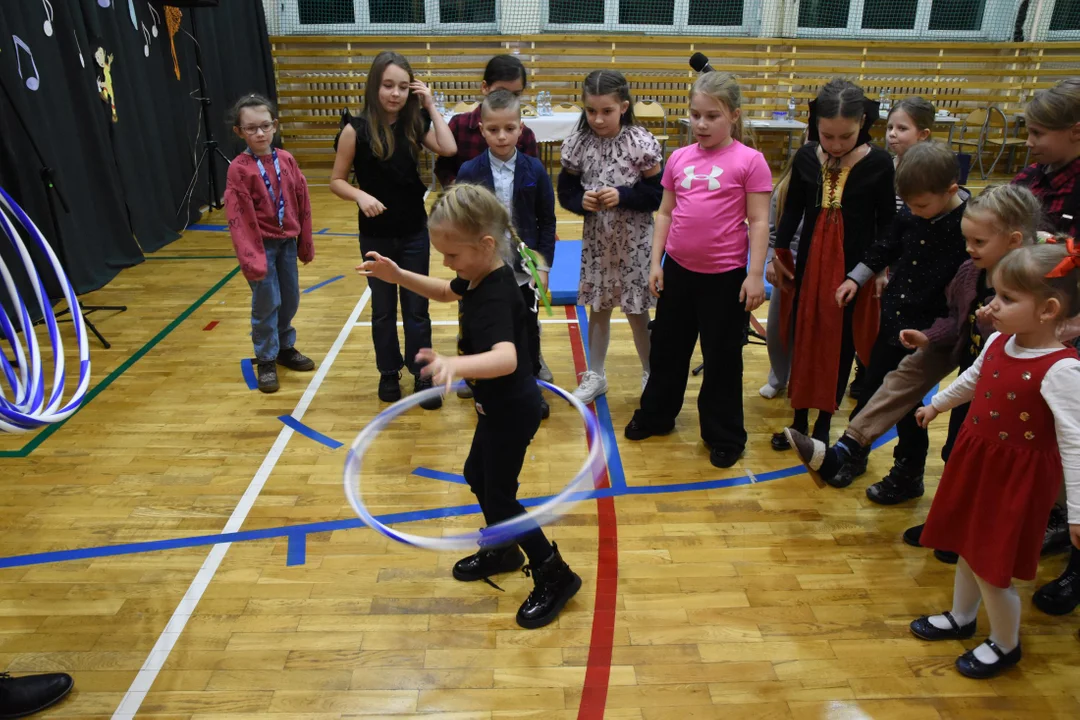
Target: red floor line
[(598, 670)]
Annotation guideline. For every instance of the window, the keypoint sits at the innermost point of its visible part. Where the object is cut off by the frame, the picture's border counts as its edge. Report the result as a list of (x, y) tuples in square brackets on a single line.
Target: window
[(712, 12), (1066, 15), (894, 15), (646, 12), (466, 11), (957, 14), (397, 11), (576, 12), (321, 12), (823, 13)]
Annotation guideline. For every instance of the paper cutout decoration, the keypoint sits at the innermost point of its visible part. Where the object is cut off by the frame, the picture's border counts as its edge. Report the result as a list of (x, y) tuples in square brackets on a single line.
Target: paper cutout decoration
[(131, 12), (105, 84), (48, 18), (173, 16), (34, 81)]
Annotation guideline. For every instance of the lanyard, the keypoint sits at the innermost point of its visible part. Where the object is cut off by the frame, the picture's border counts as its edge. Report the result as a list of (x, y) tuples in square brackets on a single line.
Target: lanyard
[(269, 187)]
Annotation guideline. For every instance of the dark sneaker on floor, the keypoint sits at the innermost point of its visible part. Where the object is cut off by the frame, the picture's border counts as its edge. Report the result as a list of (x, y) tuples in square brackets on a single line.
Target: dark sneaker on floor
[(294, 360), (853, 468), (266, 372), (913, 535), (23, 696), (636, 431), (1056, 539), (421, 384), (545, 409), (721, 458), (904, 482), (554, 583), (1059, 597), (390, 387), (486, 562)]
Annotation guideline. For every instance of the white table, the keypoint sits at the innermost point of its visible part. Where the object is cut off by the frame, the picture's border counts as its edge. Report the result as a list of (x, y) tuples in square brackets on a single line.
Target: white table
[(785, 125)]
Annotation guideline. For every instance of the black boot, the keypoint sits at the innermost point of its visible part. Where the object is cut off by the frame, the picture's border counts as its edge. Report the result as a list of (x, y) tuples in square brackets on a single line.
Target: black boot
[(389, 387), (487, 562), (31, 694), (1056, 539), (419, 385), (904, 482), (853, 468), (554, 584), (1061, 596)]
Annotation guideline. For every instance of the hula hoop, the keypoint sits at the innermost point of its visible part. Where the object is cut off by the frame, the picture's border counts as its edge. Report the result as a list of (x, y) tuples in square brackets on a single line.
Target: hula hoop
[(504, 532), (28, 408)]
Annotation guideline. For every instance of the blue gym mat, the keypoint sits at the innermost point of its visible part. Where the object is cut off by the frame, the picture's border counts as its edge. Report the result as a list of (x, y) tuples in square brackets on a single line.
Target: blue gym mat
[(563, 279)]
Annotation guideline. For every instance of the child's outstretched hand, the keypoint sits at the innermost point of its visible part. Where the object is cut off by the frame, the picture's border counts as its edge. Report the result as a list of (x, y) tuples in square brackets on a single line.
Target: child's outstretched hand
[(913, 339), (440, 368), (925, 415), (752, 292), (378, 266), (846, 292)]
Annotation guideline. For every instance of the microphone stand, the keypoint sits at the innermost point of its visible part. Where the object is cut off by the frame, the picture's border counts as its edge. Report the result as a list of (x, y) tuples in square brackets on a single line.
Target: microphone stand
[(53, 194)]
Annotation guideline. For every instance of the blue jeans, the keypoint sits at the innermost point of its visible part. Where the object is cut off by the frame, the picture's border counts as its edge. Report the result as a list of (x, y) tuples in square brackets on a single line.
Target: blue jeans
[(413, 253), (274, 301)]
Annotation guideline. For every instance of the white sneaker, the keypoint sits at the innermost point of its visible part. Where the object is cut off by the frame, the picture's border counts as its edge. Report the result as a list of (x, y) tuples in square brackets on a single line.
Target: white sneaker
[(545, 372), (769, 392), (644, 379), (592, 386)]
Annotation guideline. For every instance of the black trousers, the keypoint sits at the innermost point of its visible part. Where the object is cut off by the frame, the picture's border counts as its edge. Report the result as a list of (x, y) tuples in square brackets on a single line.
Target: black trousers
[(706, 306), (411, 252), (533, 326), (913, 442), (494, 463)]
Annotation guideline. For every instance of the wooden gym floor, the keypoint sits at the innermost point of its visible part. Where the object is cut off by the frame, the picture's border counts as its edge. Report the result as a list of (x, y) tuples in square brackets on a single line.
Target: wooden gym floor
[(132, 557)]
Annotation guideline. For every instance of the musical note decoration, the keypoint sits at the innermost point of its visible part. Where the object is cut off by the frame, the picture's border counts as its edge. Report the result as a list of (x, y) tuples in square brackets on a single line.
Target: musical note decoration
[(103, 3), (147, 40), (34, 81), (156, 20), (173, 16), (105, 84), (48, 18)]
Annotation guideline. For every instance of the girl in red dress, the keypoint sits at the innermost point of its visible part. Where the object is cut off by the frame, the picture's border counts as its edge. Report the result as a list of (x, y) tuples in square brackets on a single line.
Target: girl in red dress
[(1005, 470)]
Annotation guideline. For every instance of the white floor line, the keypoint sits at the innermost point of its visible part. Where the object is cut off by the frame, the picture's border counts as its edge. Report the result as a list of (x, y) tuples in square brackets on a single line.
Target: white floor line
[(543, 321), (142, 683)]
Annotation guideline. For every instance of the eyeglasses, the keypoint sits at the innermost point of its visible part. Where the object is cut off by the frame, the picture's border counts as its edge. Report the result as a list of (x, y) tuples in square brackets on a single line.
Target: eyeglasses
[(254, 129)]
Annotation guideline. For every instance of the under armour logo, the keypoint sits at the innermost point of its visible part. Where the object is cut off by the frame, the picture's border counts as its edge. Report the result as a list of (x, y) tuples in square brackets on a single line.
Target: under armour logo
[(714, 184)]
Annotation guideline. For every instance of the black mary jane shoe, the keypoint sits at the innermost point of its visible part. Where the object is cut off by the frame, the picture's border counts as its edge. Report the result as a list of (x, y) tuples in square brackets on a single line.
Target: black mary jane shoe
[(972, 667), (926, 630), (780, 442)]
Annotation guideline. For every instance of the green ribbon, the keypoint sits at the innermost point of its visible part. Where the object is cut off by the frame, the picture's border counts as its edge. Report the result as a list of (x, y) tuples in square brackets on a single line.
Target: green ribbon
[(531, 263)]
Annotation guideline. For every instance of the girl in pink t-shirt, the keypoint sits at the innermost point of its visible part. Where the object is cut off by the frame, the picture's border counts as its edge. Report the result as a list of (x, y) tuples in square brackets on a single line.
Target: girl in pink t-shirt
[(712, 189)]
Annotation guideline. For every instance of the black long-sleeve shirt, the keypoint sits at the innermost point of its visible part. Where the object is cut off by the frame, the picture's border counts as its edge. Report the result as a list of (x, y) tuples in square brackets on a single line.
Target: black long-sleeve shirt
[(868, 205), (924, 256)]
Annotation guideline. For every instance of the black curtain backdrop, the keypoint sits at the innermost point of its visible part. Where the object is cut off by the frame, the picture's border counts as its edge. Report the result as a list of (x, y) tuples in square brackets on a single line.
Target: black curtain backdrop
[(123, 181)]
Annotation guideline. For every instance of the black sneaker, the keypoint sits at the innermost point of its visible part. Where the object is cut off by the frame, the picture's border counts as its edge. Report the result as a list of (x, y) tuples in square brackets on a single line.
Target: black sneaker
[(294, 360), (390, 387), (855, 467), (721, 458), (421, 384), (267, 375), (554, 583), (1056, 539), (545, 409), (1061, 596), (486, 562), (636, 431), (913, 535), (31, 694), (904, 482)]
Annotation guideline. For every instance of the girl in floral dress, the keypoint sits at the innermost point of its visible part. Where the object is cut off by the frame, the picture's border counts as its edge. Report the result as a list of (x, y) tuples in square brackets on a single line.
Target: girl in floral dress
[(611, 175)]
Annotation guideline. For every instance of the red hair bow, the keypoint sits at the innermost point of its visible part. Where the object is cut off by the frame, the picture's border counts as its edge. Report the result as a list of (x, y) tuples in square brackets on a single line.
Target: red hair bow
[(1069, 263)]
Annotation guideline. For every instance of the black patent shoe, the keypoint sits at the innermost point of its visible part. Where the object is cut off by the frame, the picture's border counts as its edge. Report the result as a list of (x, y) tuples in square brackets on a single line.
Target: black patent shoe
[(913, 535), (487, 562), (780, 442), (904, 482), (1059, 597), (23, 696), (554, 583), (926, 630), (972, 667), (1057, 538)]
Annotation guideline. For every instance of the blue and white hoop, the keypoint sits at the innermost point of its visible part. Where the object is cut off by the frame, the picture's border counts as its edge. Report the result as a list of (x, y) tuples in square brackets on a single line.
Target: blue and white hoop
[(30, 406), (504, 532)]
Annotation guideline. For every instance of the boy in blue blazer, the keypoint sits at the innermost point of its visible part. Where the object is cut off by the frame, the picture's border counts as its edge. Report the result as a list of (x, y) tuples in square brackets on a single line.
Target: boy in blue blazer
[(522, 184)]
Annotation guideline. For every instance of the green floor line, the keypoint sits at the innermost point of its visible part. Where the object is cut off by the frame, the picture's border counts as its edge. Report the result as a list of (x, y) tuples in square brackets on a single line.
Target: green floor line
[(47, 432)]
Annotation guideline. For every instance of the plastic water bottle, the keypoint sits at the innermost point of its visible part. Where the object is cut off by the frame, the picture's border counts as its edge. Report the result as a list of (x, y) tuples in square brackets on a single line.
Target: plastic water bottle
[(543, 104), (883, 101), (791, 108), (439, 100)]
